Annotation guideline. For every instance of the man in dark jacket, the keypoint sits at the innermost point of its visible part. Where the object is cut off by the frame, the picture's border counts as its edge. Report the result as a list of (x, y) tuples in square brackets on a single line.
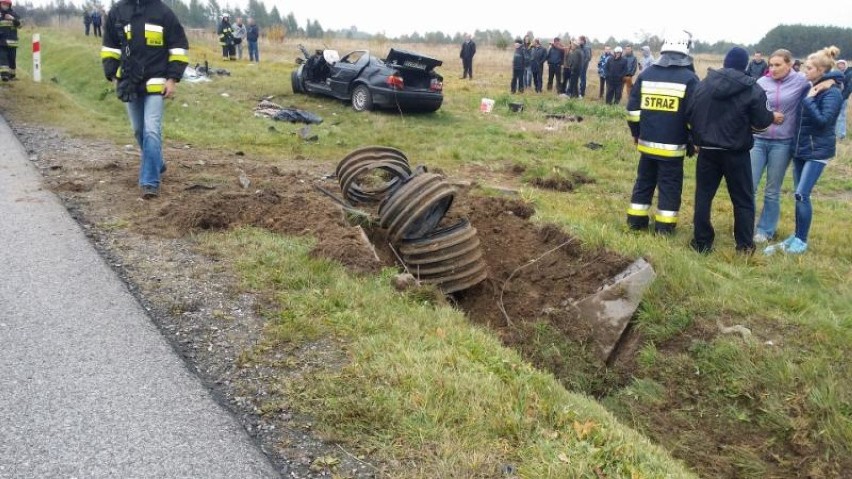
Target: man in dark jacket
[(587, 58), (575, 64), (468, 50), (10, 21), (145, 50), (757, 67), (726, 108), (537, 58), (840, 129), (656, 114), (615, 70), (519, 65), (632, 68), (555, 57), (226, 38)]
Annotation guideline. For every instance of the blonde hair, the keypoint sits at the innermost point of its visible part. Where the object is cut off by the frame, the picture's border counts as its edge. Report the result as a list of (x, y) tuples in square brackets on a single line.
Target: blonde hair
[(824, 59), (783, 53)]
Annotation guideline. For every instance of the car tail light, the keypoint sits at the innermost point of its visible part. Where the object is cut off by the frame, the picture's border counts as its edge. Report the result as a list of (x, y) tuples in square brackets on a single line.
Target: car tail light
[(395, 82), (436, 85)]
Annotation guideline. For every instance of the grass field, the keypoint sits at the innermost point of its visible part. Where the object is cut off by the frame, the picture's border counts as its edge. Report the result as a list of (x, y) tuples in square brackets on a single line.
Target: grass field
[(436, 397)]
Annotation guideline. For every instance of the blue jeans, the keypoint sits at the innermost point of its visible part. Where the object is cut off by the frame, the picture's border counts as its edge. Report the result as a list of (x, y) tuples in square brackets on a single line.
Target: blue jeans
[(253, 54), (774, 157), (805, 175), (146, 119), (840, 128)]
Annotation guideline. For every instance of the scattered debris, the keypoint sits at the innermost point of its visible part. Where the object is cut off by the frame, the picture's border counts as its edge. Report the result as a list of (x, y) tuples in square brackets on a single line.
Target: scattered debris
[(593, 146), (516, 107), (199, 186), (736, 329), (243, 179), (564, 117), (272, 110), (305, 134)]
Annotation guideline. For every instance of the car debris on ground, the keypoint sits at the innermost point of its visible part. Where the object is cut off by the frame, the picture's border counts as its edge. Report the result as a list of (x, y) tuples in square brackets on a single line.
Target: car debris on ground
[(272, 110)]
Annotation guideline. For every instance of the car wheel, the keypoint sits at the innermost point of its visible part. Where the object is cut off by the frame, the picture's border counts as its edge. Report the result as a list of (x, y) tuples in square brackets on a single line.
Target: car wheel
[(296, 82), (362, 99)]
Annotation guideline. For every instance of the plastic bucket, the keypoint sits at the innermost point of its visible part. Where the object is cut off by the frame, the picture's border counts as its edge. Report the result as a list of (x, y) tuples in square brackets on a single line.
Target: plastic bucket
[(486, 105)]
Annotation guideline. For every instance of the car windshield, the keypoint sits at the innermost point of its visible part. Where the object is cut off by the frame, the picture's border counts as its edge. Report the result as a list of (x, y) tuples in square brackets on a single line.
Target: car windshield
[(353, 57)]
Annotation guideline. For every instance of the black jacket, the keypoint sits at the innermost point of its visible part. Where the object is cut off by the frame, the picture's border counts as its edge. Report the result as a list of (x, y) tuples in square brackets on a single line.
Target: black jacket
[(757, 69), (145, 39), (616, 67), (726, 108), (468, 50), (9, 29)]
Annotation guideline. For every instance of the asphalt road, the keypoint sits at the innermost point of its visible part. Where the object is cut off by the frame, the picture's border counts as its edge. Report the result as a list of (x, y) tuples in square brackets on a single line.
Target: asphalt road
[(88, 386)]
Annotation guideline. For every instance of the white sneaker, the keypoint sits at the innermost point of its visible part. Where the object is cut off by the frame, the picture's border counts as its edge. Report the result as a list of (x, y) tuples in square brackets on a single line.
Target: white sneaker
[(760, 238)]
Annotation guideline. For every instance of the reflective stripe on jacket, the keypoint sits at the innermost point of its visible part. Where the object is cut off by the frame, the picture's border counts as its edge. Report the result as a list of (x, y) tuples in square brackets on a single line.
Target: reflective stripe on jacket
[(656, 110)]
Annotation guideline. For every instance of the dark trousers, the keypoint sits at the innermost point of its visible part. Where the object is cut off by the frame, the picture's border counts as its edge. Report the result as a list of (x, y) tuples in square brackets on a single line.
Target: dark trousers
[(583, 74), (97, 30), (229, 52), (735, 167), (665, 176), (518, 80), (467, 68), (537, 79), (87, 26), (603, 85), (554, 71), (574, 86), (8, 62), (566, 76), (613, 90)]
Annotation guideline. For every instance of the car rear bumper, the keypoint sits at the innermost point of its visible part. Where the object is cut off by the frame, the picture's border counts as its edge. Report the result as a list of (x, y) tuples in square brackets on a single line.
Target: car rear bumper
[(413, 100)]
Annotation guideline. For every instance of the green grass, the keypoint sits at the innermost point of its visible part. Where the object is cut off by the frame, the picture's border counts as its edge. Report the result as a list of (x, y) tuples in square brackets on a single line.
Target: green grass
[(414, 384)]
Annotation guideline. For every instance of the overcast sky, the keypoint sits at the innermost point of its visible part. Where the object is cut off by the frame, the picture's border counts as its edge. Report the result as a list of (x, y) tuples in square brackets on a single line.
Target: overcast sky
[(740, 21)]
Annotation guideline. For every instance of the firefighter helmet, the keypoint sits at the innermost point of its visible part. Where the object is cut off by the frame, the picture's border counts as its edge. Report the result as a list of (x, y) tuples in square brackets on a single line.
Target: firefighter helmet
[(8, 2), (678, 43)]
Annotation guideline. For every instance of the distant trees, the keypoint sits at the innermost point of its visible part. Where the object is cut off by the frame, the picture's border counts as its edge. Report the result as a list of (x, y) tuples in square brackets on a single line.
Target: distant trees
[(803, 40), (799, 39)]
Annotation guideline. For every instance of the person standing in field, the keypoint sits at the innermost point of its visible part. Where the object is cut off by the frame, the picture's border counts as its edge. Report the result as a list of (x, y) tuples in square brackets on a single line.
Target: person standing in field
[(607, 53), (584, 69), (539, 54), (656, 115), (528, 45), (239, 36), (772, 148), (632, 68), (97, 20), (555, 57), (145, 52), (468, 50), (847, 86), (519, 65), (727, 106), (575, 65), (226, 38), (757, 67), (10, 21), (252, 35), (615, 70), (815, 143), (87, 21), (647, 58)]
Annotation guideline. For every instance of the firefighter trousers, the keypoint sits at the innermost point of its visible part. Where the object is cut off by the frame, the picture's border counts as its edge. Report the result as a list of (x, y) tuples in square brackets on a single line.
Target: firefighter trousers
[(665, 176)]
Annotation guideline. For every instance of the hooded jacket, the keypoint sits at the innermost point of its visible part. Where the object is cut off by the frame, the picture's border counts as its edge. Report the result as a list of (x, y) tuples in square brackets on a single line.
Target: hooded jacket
[(784, 96), (726, 108), (144, 42), (815, 136)]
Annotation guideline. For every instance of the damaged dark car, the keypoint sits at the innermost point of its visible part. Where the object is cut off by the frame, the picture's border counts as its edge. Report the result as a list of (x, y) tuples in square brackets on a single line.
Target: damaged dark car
[(403, 81)]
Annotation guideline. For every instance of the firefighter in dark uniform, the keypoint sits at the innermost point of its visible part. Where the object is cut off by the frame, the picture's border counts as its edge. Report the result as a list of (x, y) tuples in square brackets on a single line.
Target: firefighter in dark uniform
[(145, 51), (657, 119), (9, 24), (226, 38)]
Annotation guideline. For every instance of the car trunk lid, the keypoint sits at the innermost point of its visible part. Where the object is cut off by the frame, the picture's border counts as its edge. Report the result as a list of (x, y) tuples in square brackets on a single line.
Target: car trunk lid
[(415, 69)]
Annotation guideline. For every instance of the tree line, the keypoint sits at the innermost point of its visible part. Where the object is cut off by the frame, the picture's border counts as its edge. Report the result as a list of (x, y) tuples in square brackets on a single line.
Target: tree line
[(799, 39)]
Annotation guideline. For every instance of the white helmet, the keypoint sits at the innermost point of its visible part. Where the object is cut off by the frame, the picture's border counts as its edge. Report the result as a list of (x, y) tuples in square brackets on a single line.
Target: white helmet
[(679, 43), (617, 50)]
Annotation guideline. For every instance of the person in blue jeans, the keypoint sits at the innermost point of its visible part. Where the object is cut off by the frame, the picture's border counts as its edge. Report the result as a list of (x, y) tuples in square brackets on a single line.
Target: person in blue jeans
[(252, 35), (815, 141), (847, 88), (771, 151), (145, 52)]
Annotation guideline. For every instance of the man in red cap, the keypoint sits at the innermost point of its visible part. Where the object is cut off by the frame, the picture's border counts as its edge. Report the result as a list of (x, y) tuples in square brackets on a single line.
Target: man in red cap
[(9, 24)]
